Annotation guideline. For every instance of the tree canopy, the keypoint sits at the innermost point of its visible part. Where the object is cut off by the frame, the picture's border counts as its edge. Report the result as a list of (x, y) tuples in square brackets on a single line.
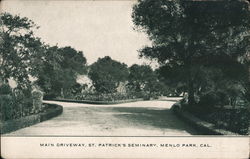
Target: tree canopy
[(188, 36), (20, 50), (24, 56), (106, 74), (139, 76), (59, 70)]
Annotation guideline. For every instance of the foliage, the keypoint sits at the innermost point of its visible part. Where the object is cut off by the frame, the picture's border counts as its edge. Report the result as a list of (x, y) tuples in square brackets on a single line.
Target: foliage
[(78, 88), (189, 36), (139, 76), (103, 97), (22, 55), (173, 79), (143, 79), (15, 105), (19, 49), (106, 74), (59, 70), (224, 84)]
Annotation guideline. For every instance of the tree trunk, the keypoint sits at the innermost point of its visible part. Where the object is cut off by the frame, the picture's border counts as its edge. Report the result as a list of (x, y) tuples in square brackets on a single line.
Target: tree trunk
[(190, 93), (190, 84)]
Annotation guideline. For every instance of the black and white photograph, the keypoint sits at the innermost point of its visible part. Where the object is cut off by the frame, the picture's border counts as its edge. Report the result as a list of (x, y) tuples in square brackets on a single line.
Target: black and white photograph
[(125, 68)]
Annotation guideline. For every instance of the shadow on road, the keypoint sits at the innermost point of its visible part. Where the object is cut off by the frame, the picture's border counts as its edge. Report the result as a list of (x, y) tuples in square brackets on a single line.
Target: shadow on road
[(152, 118)]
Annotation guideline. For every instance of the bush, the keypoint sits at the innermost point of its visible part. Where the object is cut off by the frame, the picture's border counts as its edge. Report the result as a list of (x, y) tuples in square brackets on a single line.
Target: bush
[(102, 97), (54, 110), (16, 104), (23, 102), (95, 96)]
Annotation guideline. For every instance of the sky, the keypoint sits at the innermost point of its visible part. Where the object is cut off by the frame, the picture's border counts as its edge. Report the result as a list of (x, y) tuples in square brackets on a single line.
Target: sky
[(98, 28)]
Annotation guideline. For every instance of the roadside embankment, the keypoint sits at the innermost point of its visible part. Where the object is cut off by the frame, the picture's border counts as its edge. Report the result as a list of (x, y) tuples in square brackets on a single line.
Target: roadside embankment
[(203, 127)]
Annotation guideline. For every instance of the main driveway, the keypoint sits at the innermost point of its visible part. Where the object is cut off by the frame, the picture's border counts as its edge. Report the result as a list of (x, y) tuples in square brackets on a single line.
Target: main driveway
[(144, 118)]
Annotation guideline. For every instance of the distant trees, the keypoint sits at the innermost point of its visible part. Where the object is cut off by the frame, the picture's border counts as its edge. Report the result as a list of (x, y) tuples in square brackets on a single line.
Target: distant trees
[(193, 38), (59, 70), (25, 58), (139, 81), (106, 74), (139, 76), (143, 79)]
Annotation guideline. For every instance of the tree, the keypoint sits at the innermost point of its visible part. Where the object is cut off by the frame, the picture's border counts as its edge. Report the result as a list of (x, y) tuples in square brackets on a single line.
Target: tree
[(139, 76), (72, 59), (22, 55), (188, 36), (60, 69), (106, 74), (143, 79), (20, 50)]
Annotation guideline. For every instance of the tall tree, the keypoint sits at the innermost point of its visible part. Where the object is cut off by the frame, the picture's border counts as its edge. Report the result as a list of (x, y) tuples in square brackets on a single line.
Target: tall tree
[(106, 74), (20, 50), (189, 35)]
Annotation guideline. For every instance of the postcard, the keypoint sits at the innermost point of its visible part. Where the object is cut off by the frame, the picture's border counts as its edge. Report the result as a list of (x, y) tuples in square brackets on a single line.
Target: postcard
[(125, 79)]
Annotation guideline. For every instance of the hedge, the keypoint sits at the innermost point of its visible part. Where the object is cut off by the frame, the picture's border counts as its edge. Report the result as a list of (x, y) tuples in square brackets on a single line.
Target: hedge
[(97, 102), (57, 110), (12, 125)]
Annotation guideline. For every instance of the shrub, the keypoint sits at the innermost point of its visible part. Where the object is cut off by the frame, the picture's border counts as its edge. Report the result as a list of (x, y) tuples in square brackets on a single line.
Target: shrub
[(54, 110), (23, 102), (18, 103)]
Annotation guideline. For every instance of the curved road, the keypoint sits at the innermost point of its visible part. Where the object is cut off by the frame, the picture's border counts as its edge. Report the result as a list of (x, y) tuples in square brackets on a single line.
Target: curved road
[(144, 118)]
